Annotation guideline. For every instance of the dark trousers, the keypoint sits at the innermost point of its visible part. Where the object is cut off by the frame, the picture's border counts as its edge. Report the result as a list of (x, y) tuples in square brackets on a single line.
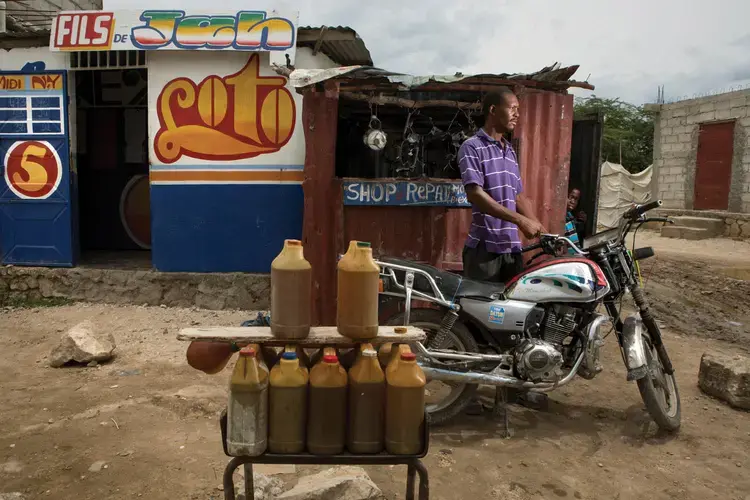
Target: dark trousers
[(481, 265)]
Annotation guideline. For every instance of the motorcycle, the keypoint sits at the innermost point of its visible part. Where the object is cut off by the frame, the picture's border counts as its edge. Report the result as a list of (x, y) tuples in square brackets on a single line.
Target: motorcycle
[(541, 329)]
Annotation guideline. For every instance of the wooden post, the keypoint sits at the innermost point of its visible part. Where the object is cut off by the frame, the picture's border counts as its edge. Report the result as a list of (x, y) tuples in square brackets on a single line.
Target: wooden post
[(319, 119)]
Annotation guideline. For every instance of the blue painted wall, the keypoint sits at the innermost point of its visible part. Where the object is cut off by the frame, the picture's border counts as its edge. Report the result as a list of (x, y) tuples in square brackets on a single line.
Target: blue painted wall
[(222, 227)]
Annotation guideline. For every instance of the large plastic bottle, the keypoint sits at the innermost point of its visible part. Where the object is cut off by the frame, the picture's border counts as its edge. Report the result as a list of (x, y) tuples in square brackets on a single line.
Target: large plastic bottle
[(287, 405), (366, 404), (404, 407), (247, 412), (291, 293), (326, 419), (358, 285)]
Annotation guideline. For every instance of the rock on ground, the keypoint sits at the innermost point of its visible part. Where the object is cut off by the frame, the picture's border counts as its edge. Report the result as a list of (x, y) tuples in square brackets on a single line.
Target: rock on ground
[(83, 345), (727, 377), (11, 496), (266, 488), (338, 483)]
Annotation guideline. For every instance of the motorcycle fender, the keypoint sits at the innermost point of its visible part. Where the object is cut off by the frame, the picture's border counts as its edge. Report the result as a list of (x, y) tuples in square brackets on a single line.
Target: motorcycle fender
[(635, 351)]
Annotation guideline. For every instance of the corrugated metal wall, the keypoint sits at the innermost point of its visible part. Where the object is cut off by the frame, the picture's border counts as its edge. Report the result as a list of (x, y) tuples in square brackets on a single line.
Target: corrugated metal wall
[(436, 235), (545, 131)]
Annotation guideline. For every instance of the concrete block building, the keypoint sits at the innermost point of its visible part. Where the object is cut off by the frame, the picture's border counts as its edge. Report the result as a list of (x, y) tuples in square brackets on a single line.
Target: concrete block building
[(702, 158)]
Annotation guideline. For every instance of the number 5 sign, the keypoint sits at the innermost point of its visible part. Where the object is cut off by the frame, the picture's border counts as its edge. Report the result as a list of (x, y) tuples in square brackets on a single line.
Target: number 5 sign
[(33, 169)]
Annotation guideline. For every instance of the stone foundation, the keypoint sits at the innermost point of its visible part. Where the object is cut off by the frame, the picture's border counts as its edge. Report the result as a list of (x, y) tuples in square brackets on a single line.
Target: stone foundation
[(138, 287), (735, 225)]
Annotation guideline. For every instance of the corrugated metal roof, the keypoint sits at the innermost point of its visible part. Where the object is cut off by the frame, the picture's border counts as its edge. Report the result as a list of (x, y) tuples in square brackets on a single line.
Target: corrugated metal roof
[(341, 43), (550, 78)]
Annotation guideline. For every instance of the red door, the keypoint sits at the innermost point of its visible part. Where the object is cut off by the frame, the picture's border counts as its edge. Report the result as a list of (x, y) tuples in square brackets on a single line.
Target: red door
[(713, 170)]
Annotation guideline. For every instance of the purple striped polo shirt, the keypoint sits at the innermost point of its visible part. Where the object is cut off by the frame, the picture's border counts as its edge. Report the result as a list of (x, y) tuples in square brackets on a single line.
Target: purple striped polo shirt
[(493, 166)]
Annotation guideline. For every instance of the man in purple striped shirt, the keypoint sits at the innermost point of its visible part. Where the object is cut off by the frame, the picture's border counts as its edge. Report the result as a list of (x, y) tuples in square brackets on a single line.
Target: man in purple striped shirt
[(492, 179)]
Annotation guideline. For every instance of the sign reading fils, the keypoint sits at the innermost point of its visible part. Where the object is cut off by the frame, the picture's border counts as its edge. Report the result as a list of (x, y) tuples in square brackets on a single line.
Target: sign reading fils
[(174, 29), (405, 193)]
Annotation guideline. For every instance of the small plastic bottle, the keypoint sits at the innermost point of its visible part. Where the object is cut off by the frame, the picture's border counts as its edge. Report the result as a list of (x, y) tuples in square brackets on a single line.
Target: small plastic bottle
[(247, 412)]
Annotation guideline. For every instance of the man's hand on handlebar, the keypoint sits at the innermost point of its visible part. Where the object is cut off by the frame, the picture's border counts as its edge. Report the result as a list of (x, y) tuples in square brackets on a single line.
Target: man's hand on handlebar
[(531, 228)]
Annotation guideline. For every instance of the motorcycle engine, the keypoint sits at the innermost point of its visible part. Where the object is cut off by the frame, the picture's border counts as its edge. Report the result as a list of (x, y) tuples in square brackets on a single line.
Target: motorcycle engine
[(538, 361)]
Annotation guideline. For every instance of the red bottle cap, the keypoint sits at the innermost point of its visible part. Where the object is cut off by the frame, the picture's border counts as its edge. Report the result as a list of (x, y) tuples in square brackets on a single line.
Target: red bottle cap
[(408, 356), (330, 358), (247, 351)]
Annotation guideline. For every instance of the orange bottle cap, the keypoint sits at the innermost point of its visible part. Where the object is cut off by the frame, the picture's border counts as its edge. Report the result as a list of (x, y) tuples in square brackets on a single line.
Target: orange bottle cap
[(294, 243), (408, 356), (330, 358), (247, 351), (400, 329)]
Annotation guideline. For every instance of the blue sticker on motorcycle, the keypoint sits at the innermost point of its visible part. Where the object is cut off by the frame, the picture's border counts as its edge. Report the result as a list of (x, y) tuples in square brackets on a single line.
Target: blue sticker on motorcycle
[(497, 315)]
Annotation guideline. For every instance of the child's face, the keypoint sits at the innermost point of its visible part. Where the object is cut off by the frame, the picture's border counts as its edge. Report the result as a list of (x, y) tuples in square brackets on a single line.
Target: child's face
[(573, 198)]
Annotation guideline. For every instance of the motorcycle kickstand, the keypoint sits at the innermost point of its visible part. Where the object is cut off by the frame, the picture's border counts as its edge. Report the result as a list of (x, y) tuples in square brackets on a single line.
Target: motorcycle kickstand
[(500, 410)]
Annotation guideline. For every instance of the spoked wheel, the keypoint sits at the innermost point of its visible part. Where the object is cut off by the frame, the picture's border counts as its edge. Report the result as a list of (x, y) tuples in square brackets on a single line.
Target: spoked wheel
[(659, 391), (444, 400)]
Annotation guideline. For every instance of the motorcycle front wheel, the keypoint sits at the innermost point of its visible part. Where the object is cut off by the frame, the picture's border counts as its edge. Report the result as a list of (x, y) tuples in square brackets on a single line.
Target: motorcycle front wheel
[(659, 391), (444, 400)]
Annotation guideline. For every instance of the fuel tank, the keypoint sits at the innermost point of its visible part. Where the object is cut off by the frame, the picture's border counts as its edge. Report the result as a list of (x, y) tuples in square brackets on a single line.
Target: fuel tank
[(566, 279)]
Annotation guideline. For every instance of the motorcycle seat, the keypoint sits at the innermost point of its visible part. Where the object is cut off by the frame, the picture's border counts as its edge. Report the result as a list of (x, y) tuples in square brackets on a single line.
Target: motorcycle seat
[(453, 286)]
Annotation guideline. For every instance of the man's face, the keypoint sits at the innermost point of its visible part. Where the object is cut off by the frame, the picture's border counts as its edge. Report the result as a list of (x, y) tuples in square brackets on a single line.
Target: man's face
[(505, 115), (573, 198)]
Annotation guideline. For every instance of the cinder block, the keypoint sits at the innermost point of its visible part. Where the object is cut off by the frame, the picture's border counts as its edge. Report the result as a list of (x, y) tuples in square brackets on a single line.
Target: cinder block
[(738, 102), (738, 112), (724, 114), (679, 111), (685, 138), (707, 106), (723, 104), (664, 131), (707, 116), (692, 119), (727, 377)]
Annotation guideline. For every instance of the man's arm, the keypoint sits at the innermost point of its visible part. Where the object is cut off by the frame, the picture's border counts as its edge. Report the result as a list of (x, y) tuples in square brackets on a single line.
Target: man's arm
[(524, 208), (487, 205)]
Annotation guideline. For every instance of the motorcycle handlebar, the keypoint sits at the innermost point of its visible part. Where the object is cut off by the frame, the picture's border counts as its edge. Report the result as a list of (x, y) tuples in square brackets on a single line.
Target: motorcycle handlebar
[(639, 210)]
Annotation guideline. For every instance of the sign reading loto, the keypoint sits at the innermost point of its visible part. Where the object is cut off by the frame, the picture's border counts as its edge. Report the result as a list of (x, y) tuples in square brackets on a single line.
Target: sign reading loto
[(83, 31)]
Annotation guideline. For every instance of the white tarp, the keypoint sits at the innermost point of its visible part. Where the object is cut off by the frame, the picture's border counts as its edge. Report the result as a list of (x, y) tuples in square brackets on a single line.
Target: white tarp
[(618, 189)]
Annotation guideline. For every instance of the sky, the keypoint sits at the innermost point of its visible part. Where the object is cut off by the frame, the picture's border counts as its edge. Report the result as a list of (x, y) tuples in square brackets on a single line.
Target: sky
[(626, 48)]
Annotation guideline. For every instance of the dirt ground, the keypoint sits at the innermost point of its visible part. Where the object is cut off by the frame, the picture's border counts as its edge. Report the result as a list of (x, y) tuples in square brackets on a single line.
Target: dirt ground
[(153, 420)]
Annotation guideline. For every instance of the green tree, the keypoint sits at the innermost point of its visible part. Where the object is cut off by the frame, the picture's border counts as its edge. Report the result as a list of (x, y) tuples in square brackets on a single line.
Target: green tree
[(628, 131)]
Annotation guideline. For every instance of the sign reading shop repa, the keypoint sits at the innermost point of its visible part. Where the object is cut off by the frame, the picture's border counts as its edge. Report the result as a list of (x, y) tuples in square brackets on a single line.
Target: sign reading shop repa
[(247, 30), (405, 193)]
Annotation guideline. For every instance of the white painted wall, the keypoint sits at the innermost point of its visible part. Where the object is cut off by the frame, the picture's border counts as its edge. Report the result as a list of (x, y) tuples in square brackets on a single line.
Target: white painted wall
[(166, 65), (14, 59)]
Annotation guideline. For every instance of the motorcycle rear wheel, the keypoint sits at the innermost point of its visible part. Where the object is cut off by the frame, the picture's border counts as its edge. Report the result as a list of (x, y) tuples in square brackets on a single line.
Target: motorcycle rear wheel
[(459, 339), (659, 391)]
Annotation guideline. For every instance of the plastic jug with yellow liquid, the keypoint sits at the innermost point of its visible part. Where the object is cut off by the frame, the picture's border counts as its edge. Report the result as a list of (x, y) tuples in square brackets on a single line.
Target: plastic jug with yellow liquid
[(326, 419), (247, 411), (357, 296), (396, 352), (287, 405), (291, 293), (404, 407), (366, 404)]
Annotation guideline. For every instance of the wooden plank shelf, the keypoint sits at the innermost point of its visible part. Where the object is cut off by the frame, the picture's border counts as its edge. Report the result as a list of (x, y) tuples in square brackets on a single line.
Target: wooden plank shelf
[(319, 336)]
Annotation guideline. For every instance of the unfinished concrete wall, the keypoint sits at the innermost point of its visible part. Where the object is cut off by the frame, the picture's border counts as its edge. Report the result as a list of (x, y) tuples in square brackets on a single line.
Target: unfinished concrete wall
[(676, 133)]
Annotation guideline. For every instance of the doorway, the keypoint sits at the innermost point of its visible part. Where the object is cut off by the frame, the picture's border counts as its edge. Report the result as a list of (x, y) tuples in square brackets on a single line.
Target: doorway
[(113, 166), (713, 166)]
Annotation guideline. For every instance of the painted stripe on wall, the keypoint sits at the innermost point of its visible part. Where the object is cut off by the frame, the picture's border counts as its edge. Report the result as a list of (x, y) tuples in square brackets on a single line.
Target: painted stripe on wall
[(227, 167), (226, 176)]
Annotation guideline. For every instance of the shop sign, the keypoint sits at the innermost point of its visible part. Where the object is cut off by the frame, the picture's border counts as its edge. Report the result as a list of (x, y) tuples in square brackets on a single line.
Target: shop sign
[(247, 30), (32, 104), (405, 193)]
